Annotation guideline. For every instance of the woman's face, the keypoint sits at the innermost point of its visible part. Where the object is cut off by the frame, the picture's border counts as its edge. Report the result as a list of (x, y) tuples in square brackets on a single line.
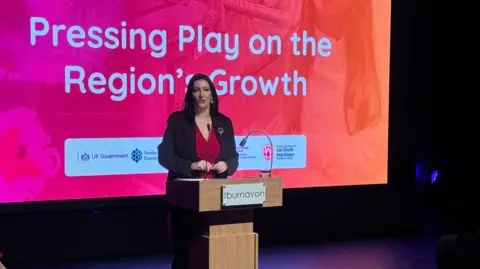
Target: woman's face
[(202, 94)]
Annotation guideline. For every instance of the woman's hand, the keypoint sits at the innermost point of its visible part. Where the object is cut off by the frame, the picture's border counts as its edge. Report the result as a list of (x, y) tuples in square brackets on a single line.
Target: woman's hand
[(220, 167), (201, 166)]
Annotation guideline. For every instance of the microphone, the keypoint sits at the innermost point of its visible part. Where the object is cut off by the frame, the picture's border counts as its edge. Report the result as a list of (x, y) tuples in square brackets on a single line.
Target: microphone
[(244, 142), (208, 152)]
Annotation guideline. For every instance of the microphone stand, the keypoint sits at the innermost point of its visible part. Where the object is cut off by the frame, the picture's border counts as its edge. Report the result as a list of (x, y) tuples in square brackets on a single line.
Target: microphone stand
[(244, 142)]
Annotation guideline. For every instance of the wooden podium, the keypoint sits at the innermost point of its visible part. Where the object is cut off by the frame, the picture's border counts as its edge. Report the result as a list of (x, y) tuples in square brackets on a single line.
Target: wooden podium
[(226, 239)]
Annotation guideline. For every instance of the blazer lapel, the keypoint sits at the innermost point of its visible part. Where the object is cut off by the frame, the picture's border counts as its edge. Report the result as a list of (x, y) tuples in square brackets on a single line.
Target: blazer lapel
[(219, 130), (190, 135)]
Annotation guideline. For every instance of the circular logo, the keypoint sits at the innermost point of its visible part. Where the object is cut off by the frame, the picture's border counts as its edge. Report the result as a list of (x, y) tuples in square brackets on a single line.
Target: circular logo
[(136, 155), (267, 152)]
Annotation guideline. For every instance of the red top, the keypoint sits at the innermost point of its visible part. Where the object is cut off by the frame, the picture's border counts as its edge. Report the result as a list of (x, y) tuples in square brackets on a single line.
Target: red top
[(207, 150)]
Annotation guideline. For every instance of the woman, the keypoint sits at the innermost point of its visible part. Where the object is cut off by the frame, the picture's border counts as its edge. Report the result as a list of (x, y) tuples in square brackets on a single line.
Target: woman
[(199, 142), (348, 94), (351, 26)]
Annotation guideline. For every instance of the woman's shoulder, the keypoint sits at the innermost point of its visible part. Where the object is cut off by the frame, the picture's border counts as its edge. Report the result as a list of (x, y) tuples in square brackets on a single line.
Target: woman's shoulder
[(176, 116), (224, 121), (179, 117), (223, 118)]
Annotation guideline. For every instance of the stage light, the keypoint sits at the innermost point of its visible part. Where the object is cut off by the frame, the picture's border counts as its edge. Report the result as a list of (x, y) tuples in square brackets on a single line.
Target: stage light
[(418, 172), (434, 176), (425, 175)]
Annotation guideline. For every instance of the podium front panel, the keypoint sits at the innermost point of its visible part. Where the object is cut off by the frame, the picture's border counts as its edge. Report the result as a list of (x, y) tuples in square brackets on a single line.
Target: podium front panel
[(206, 195), (211, 192)]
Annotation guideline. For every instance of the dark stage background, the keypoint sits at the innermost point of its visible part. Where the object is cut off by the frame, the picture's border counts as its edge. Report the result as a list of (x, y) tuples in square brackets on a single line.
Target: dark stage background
[(55, 231)]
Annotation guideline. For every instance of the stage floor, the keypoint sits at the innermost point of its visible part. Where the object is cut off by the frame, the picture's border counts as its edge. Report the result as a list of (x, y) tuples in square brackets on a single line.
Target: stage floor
[(401, 253)]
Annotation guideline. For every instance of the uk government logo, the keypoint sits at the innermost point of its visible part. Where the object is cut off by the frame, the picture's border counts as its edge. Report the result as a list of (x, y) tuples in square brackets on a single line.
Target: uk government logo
[(86, 157), (135, 155)]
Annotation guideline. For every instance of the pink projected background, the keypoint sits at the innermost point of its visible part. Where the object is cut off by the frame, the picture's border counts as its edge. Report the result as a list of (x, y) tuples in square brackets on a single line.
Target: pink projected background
[(327, 108)]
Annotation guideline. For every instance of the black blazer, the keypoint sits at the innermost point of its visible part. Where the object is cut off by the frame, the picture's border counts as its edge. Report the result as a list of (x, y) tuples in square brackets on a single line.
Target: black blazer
[(178, 151)]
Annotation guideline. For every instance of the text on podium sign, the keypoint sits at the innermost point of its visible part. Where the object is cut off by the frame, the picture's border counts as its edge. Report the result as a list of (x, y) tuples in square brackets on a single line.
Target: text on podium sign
[(243, 194)]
